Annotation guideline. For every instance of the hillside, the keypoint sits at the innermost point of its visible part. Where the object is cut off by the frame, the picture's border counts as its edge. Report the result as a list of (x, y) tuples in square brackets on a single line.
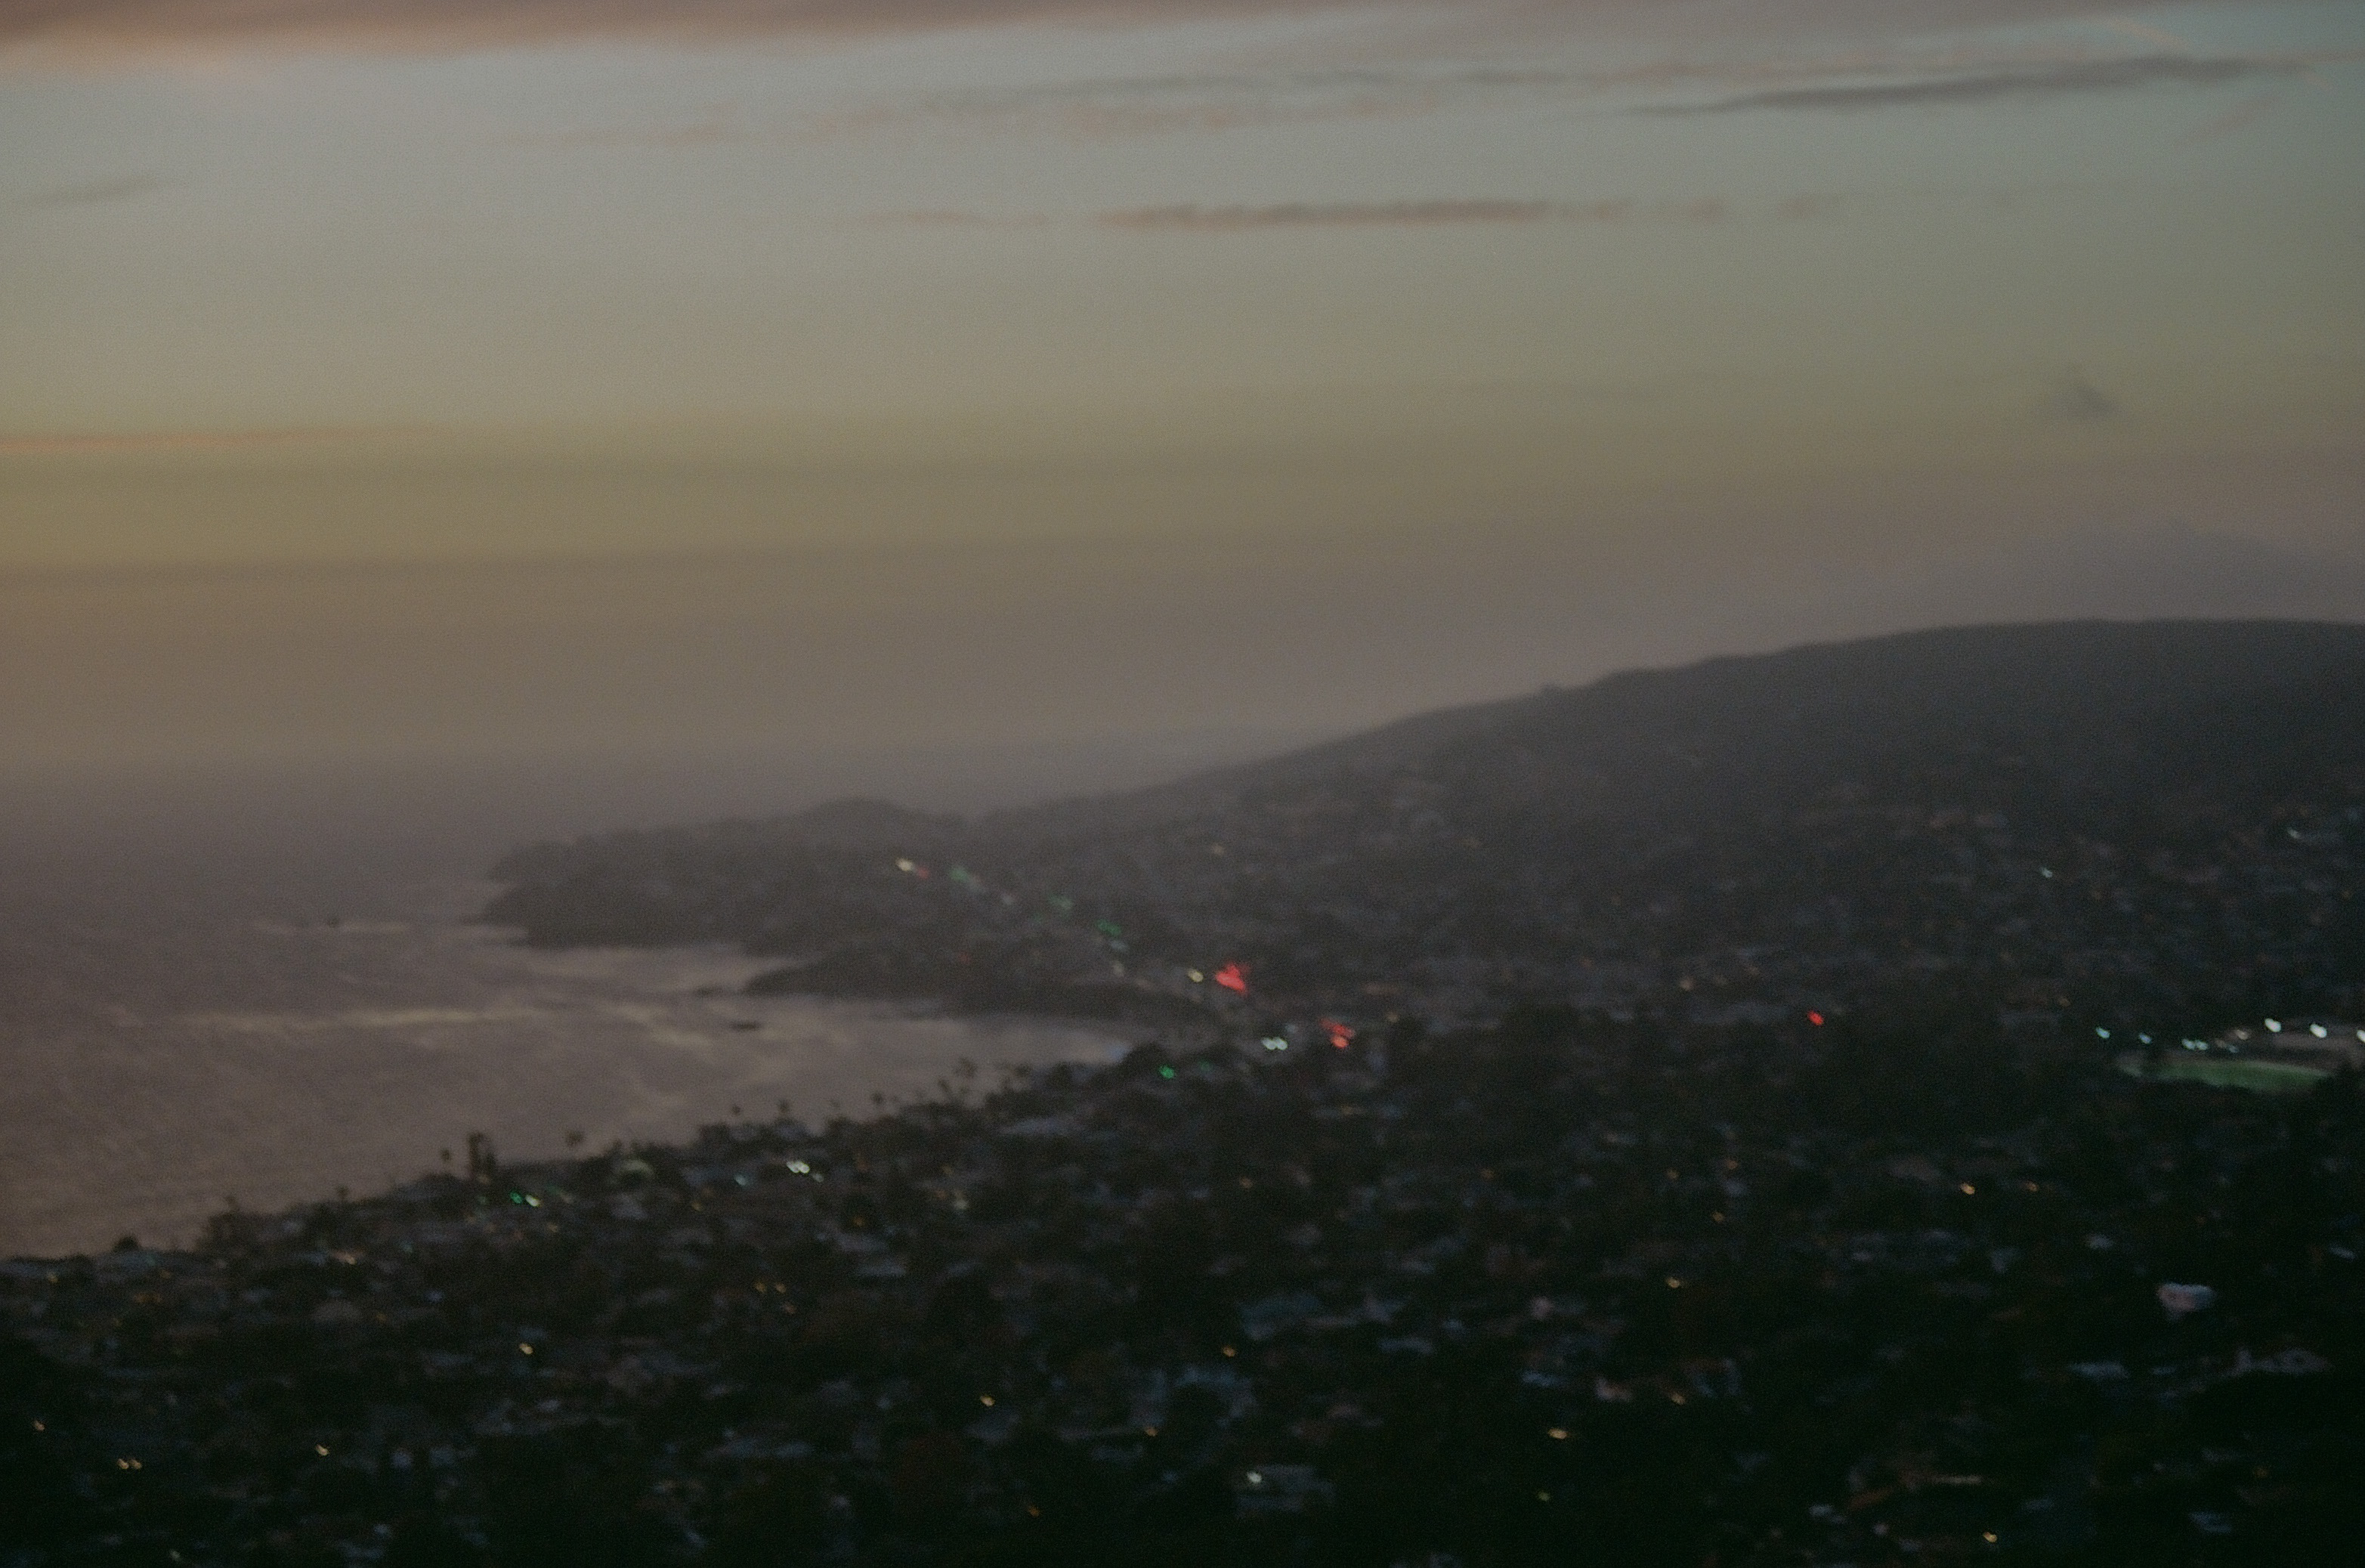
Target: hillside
[(2117, 820)]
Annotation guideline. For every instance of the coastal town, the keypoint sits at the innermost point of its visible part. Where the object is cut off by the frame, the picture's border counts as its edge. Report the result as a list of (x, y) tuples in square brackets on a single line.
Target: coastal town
[(1561, 1287)]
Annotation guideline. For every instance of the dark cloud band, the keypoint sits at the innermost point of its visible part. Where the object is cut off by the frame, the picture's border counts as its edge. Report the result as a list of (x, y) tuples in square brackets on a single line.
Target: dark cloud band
[(2063, 80)]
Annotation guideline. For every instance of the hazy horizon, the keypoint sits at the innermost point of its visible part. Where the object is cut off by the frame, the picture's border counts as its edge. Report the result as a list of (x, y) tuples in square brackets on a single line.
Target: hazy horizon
[(388, 378), (1038, 669)]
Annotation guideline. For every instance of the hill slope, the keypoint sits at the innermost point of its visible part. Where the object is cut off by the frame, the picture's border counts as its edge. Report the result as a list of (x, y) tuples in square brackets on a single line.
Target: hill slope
[(2125, 819)]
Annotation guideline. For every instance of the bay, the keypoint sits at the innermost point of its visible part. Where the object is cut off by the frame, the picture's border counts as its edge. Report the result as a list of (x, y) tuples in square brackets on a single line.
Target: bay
[(263, 993)]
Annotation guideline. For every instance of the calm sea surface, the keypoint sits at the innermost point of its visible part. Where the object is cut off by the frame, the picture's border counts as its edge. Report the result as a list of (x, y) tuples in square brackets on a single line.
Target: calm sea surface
[(266, 997)]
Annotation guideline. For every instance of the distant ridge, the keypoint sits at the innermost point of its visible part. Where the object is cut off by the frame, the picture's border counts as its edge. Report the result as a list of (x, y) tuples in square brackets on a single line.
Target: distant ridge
[(2065, 686)]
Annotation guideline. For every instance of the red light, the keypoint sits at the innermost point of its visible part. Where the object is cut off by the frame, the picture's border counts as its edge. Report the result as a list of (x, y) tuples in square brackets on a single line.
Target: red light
[(1232, 977), (1816, 1019), (1340, 1033)]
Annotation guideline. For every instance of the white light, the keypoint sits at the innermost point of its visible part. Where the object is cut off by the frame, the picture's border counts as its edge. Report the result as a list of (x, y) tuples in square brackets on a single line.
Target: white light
[(2274, 1026), (2318, 1030)]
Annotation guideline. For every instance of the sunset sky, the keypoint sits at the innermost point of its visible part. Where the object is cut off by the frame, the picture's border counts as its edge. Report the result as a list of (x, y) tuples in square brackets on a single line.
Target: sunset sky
[(527, 374)]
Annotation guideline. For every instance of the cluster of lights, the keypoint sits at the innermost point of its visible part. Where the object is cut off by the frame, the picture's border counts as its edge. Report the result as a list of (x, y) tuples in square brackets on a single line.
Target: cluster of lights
[(2273, 1026)]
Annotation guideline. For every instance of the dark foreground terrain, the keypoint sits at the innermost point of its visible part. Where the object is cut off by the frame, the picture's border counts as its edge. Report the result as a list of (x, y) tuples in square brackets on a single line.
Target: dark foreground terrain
[(1886, 1290)]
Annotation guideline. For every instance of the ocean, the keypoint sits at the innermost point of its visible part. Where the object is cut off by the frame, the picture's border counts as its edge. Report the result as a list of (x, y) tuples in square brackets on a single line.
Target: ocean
[(260, 989)]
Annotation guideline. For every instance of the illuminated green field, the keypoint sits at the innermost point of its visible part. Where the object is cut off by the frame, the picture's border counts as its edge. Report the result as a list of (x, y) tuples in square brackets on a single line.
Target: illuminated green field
[(2223, 1072)]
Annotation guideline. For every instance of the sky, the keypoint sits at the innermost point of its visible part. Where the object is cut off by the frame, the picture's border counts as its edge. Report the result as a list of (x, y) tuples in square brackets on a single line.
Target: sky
[(396, 377)]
